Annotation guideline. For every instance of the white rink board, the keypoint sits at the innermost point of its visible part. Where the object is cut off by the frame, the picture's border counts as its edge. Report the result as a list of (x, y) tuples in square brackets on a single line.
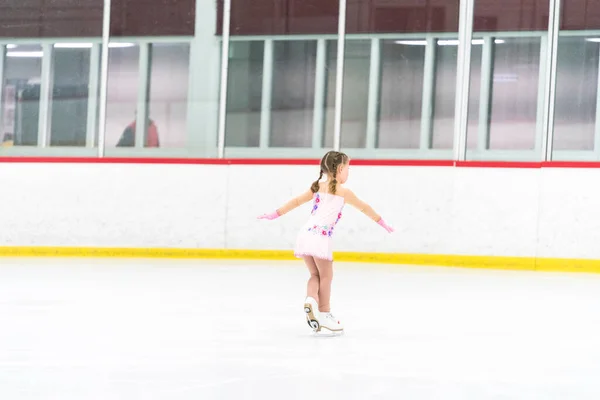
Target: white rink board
[(436, 210)]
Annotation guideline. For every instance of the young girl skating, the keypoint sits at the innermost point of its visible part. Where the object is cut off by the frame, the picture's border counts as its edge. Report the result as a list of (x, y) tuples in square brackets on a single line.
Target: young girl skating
[(314, 242)]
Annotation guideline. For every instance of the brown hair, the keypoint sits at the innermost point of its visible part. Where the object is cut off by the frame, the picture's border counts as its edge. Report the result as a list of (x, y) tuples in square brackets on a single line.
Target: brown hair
[(329, 165)]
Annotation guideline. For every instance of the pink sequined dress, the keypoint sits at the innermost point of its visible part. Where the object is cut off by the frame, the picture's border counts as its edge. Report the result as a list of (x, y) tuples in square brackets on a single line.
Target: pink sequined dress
[(316, 236)]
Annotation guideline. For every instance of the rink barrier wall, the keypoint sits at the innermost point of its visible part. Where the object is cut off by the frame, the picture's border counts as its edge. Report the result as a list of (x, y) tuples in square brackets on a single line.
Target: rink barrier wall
[(299, 161), (218, 161), (475, 214), (432, 260)]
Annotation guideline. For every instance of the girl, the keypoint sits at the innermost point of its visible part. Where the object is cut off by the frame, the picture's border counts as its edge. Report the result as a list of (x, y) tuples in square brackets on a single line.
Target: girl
[(314, 242)]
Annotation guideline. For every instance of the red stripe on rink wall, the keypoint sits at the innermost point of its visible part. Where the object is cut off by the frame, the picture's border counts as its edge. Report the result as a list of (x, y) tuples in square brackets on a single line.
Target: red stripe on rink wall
[(499, 164), (288, 161), (571, 164), (216, 161)]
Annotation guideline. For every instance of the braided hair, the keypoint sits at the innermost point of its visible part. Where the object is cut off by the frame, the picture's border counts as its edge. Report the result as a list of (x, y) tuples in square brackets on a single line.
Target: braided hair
[(329, 165), (315, 186)]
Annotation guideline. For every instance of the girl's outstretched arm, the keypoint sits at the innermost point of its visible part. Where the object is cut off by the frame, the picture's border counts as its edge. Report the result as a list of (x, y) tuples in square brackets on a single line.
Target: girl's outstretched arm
[(366, 209), (295, 202), (290, 205)]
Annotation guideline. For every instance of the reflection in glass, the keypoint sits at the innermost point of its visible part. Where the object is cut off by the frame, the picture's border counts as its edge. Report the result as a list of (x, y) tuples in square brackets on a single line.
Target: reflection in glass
[(21, 95), (355, 106), (123, 74), (282, 17), (293, 95), (511, 15), (244, 93), (444, 97), (504, 96), (330, 72), (69, 106), (576, 93), (401, 97), (167, 108), (401, 16), (514, 99), (474, 94)]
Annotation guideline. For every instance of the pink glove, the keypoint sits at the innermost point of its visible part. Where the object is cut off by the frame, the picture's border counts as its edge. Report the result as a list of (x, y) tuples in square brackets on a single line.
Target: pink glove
[(270, 216), (385, 226)]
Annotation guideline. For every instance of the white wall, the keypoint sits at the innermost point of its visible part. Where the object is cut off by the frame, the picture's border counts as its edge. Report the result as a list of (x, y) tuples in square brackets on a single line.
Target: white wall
[(436, 210)]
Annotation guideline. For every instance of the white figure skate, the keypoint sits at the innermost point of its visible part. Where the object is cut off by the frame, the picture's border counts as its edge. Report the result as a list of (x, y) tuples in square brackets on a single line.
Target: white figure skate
[(331, 323), (311, 309)]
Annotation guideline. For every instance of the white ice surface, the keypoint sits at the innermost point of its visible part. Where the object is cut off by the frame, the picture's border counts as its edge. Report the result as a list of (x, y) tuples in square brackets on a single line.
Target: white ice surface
[(139, 329)]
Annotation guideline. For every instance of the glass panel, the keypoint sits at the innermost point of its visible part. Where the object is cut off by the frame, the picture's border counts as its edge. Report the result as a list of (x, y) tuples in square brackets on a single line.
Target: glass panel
[(293, 95), (506, 88), (21, 97), (167, 108), (281, 17), (514, 100), (402, 70), (49, 85), (576, 126), (244, 94), (513, 95), (576, 93), (143, 18), (123, 74), (330, 72), (401, 16), (51, 19), (355, 106), (510, 15), (69, 105), (444, 97), (402, 75), (474, 94), (63, 89), (579, 15)]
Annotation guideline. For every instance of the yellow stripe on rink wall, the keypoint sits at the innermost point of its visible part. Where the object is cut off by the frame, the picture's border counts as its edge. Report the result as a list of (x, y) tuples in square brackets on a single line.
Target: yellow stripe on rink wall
[(464, 261)]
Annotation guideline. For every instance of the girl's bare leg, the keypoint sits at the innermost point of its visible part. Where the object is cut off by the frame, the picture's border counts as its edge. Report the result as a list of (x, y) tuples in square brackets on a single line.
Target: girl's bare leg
[(325, 268), (312, 289)]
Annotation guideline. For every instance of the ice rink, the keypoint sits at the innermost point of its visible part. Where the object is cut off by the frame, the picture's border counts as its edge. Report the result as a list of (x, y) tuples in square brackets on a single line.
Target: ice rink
[(147, 329)]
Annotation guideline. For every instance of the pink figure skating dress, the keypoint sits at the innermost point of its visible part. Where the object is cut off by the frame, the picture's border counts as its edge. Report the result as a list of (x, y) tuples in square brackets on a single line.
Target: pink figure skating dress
[(316, 236)]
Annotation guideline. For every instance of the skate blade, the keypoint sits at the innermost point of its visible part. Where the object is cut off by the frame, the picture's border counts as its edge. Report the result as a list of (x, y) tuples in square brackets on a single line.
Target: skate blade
[(311, 319), (326, 333)]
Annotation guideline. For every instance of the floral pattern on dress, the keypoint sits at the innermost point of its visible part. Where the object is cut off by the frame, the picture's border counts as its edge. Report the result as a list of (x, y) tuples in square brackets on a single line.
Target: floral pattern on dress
[(324, 230), (316, 204)]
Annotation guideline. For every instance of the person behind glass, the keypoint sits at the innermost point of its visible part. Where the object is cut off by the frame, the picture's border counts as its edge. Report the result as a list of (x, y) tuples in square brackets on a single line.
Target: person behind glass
[(128, 136), (314, 241), (7, 140)]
